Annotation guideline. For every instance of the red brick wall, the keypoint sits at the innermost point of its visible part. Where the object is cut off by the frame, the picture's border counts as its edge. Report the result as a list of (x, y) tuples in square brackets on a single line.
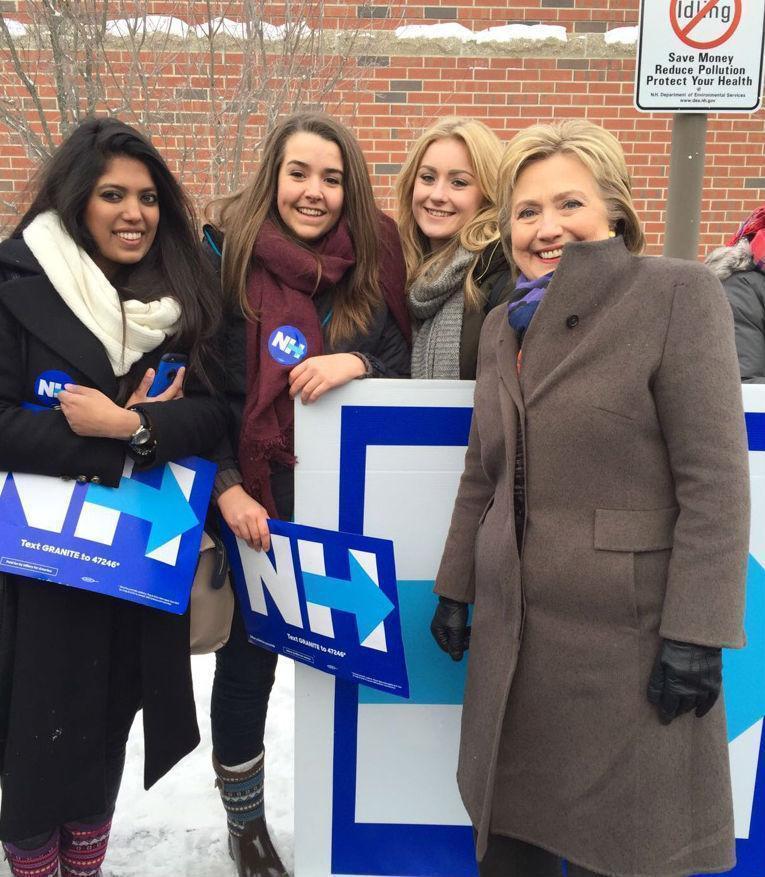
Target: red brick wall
[(388, 97)]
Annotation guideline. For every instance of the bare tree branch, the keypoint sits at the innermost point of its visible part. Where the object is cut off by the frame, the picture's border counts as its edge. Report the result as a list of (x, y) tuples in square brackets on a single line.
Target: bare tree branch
[(111, 56)]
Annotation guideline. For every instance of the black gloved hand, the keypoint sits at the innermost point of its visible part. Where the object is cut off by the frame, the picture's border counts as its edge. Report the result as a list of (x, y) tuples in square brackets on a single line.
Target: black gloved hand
[(685, 677), (450, 628)]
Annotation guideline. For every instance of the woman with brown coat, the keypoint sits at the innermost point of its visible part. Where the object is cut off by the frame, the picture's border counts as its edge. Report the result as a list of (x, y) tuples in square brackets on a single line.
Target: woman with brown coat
[(589, 536)]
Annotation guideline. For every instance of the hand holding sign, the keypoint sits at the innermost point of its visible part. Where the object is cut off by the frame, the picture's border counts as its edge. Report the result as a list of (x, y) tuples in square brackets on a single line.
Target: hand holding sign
[(246, 517), (313, 377), (326, 598)]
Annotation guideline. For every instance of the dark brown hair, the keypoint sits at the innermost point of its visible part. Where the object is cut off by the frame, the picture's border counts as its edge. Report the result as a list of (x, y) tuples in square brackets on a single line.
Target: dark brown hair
[(174, 265)]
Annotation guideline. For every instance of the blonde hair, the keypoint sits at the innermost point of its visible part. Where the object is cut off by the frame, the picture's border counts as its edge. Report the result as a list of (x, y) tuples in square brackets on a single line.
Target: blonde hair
[(598, 150), (485, 151)]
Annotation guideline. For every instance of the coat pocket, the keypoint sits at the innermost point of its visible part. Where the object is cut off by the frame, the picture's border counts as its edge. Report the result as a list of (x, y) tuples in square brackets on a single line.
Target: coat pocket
[(634, 530), (485, 512)]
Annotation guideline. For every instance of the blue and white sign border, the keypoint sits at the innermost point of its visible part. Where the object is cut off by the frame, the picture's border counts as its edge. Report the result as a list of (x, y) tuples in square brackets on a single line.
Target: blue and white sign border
[(335, 823)]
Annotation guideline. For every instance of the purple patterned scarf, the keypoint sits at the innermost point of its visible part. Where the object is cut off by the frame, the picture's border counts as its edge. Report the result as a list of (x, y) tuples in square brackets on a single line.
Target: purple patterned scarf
[(526, 299)]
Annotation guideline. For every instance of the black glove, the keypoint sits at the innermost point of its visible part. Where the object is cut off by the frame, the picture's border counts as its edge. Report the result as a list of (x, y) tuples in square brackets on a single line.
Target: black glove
[(450, 628), (685, 677)]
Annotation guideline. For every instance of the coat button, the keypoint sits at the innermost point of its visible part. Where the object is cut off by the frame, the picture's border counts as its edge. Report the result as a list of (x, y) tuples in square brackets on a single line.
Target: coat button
[(95, 480), (572, 321), (82, 479)]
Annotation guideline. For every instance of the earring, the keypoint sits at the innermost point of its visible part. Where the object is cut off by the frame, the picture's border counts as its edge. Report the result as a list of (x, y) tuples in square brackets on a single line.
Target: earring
[(612, 234)]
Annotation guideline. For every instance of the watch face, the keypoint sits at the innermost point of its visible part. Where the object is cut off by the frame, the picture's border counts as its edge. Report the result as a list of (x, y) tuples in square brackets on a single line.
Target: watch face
[(140, 436)]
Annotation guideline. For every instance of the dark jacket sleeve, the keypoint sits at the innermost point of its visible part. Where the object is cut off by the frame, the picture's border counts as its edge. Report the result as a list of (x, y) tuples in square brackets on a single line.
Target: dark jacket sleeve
[(746, 294), (193, 425), (41, 442), (492, 276), (230, 347), (390, 357)]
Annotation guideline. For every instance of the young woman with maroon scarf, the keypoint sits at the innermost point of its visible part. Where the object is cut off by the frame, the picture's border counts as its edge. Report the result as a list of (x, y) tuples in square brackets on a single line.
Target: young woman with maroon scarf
[(302, 246)]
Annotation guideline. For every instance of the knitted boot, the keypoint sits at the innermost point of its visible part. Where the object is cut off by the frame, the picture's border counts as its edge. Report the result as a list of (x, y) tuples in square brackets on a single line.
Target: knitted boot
[(83, 848), (42, 862), (248, 839)]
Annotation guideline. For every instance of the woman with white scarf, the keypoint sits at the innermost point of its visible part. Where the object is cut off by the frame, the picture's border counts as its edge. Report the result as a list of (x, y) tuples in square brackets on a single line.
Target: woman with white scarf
[(101, 276), (456, 269)]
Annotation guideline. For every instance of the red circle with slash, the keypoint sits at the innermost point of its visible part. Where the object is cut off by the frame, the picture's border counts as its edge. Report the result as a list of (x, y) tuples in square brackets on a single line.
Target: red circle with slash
[(684, 31)]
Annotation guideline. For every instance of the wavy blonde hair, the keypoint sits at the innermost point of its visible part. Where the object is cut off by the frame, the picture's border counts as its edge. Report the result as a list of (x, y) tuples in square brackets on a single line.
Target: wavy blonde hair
[(485, 151), (598, 150)]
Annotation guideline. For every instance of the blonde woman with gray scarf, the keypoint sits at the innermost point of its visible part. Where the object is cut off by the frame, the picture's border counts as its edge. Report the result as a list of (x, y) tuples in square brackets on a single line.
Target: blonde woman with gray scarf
[(456, 269)]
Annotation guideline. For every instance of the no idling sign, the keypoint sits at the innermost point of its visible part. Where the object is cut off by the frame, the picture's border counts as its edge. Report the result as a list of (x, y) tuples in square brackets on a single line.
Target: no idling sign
[(698, 56)]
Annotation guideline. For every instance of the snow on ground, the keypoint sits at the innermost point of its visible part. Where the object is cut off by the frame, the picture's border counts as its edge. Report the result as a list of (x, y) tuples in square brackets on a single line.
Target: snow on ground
[(178, 828)]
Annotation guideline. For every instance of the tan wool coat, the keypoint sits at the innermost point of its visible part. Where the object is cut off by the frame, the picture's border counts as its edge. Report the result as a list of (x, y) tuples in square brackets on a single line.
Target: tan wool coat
[(637, 517)]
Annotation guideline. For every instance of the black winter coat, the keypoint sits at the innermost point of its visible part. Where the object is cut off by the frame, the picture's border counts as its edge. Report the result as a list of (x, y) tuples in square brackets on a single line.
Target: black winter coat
[(73, 664), (492, 276), (383, 344)]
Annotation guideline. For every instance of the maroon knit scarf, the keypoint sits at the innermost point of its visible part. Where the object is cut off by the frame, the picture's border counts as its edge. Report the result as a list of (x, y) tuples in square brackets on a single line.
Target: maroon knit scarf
[(283, 281)]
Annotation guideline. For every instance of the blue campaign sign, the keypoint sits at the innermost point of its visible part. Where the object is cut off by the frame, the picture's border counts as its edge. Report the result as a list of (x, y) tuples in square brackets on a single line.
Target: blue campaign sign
[(325, 598), (139, 541), (386, 848)]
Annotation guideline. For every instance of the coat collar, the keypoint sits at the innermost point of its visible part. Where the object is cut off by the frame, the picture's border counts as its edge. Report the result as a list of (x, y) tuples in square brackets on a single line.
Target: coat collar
[(34, 302), (16, 258), (589, 276)]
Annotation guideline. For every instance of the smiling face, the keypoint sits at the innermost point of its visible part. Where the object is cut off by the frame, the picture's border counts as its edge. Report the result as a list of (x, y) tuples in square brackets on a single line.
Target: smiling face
[(309, 193), (122, 214), (446, 193), (556, 201)]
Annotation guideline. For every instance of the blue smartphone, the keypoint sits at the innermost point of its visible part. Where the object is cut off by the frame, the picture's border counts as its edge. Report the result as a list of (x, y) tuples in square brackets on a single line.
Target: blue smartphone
[(166, 372)]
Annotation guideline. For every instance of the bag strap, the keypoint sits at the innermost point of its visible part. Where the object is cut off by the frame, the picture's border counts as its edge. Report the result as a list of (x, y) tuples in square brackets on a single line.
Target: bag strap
[(211, 541)]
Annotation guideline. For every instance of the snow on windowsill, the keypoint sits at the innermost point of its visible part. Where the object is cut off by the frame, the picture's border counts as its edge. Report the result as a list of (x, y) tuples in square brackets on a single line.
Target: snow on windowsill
[(625, 35), (503, 34)]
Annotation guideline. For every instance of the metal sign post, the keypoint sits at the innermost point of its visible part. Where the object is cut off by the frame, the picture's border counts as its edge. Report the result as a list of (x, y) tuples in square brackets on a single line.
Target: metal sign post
[(686, 185)]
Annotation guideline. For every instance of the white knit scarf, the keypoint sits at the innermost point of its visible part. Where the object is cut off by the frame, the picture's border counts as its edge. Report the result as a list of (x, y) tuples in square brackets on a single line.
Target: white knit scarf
[(94, 301)]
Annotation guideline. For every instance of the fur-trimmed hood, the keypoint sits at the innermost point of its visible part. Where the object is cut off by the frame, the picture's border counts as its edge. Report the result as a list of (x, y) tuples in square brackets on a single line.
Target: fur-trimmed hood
[(725, 261)]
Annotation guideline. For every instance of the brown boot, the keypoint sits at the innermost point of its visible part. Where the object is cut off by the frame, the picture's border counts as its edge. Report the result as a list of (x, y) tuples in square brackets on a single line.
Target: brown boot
[(248, 840)]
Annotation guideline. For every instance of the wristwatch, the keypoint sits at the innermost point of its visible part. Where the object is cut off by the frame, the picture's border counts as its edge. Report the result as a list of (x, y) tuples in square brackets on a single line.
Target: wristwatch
[(142, 442)]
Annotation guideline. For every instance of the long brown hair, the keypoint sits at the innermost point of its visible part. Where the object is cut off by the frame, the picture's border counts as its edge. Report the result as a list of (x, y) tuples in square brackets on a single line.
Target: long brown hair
[(485, 151), (241, 216)]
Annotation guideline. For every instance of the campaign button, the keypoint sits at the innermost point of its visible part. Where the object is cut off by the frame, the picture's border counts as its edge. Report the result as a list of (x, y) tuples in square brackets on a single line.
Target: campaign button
[(48, 385), (287, 345)]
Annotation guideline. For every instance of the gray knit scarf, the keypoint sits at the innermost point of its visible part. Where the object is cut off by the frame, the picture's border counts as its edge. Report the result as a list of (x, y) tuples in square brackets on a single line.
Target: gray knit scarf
[(438, 303)]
